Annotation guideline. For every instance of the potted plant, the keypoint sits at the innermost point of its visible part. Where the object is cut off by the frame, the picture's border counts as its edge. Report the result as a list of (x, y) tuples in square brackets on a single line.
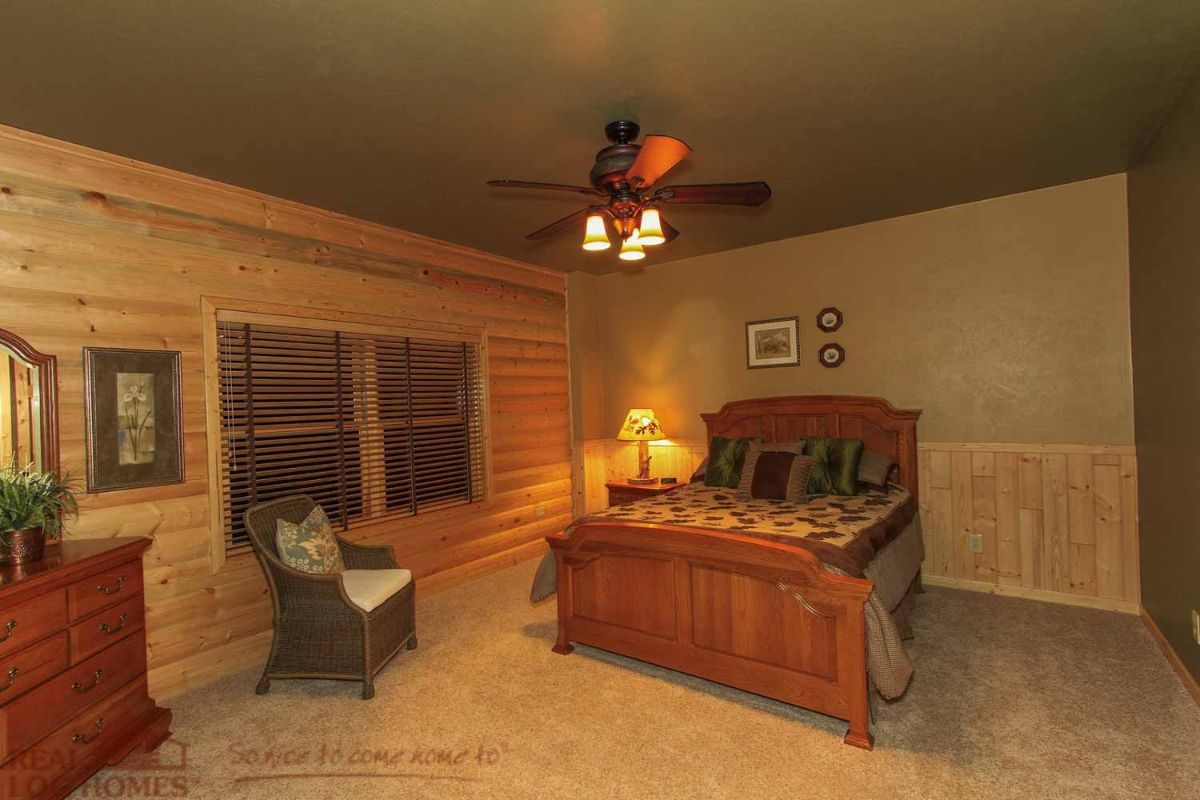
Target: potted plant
[(33, 507)]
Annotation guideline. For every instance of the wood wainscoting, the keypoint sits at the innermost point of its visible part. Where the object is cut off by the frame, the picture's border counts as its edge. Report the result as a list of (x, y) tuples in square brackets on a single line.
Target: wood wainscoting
[(97, 250), (1057, 522)]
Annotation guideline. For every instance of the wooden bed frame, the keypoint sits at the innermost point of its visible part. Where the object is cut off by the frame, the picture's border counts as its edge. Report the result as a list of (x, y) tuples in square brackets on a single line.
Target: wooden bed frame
[(754, 614)]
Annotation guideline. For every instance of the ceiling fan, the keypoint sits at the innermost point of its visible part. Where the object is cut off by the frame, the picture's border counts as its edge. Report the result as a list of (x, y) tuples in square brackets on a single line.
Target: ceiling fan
[(625, 174)]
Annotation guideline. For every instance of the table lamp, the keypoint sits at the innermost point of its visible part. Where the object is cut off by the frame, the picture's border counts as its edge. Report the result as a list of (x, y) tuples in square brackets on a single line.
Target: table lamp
[(641, 426)]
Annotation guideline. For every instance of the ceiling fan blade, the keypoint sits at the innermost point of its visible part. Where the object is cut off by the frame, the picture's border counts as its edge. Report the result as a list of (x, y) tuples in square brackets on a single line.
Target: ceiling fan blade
[(754, 193), (557, 187), (560, 225), (657, 156), (668, 229)]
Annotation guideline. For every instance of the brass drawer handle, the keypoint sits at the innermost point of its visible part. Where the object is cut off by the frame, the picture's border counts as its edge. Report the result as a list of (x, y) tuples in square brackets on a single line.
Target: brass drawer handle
[(103, 588), (8, 629), (83, 738), (96, 676), (12, 676), (111, 629)]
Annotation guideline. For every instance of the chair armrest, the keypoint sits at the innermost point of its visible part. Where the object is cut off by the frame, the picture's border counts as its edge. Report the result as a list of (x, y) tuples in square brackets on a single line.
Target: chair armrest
[(298, 591), (357, 556)]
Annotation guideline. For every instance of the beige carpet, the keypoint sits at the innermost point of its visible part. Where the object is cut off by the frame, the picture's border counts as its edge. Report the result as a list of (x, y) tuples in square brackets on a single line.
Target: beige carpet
[(1012, 699)]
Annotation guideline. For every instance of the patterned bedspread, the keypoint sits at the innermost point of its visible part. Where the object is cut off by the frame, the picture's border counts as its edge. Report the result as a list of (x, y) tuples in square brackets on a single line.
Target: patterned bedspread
[(844, 532)]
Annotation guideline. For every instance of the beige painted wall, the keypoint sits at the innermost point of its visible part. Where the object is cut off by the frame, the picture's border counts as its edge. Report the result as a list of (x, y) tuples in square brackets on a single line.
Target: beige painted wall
[(1164, 213), (1006, 320)]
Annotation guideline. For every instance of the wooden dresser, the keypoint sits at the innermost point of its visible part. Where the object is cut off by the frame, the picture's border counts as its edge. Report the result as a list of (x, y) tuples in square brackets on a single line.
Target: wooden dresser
[(73, 694)]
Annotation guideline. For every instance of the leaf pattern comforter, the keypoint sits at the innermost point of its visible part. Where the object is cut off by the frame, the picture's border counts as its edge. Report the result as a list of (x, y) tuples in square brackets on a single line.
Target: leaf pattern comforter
[(844, 532)]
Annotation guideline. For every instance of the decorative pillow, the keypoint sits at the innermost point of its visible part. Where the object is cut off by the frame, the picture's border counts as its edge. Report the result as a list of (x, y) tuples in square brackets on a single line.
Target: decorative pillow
[(769, 476), (836, 470), (756, 451), (797, 489), (875, 469), (698, 475), (778, 476), (725, 458), (309, 546)]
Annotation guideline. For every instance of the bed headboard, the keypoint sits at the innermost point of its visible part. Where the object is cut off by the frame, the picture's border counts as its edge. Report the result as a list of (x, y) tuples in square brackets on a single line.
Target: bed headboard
[(884, 428)]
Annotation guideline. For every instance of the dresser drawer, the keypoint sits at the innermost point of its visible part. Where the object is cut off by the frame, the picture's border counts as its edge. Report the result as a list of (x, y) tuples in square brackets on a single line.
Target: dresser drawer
[(105, 627), (29, 718), (25, 669), (48, 762), (104, 589), (32, 620)]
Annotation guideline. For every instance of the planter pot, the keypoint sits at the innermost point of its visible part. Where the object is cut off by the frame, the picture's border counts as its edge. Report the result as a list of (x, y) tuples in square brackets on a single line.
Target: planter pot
[(22, 547)]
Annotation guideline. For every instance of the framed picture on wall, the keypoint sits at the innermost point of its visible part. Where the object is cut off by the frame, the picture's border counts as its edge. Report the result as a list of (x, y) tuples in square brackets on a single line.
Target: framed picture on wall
[(773, 343), (134, 418)]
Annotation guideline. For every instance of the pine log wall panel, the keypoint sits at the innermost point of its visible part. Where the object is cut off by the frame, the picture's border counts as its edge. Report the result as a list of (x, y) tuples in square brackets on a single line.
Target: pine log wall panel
[(1058, 522), (97, 250)]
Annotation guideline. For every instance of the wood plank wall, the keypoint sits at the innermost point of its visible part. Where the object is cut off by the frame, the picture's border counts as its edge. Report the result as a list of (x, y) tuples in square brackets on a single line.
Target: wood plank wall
[(1057, 522), (97, 250), (1053, 518)]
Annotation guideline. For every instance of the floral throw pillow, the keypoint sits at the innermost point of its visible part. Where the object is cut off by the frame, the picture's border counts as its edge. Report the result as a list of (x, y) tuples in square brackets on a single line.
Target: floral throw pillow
[(309, 546)]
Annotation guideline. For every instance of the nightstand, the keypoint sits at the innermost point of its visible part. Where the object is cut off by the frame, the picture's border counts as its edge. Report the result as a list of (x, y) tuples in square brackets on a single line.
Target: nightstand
[(622, 492)]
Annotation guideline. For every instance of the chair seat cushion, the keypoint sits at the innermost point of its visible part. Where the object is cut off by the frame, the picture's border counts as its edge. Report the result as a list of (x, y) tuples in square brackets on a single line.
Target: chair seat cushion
[(370, 588)]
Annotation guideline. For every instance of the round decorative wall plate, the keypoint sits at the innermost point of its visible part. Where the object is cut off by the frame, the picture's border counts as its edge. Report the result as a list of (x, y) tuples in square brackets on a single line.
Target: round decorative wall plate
[(829, 319), (832, 355)]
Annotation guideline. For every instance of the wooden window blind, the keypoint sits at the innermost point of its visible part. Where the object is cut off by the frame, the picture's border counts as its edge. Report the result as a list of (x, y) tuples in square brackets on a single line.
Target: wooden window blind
[(370, 425)]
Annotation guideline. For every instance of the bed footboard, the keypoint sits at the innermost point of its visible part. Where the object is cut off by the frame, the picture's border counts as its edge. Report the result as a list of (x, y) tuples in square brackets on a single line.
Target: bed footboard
[(756, 615)]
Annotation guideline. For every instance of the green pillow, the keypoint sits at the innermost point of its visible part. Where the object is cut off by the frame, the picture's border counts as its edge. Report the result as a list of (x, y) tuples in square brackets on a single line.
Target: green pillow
[(725, 459), (836, 471)]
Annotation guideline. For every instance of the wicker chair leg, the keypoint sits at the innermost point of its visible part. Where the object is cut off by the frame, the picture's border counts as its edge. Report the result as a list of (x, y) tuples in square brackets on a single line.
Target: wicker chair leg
[(368, 690), (412, 642)]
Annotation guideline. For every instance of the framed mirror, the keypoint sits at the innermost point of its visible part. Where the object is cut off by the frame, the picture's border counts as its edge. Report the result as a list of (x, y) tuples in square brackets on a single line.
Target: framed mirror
[(28, 404)]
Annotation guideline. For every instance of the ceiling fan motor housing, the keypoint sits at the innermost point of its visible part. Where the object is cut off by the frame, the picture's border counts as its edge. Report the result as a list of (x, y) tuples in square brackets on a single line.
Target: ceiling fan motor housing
[(614, 161)]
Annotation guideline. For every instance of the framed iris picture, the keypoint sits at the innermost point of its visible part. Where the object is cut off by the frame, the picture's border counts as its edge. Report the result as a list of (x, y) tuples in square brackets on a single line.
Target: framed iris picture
[(134, 418), (773, 343)]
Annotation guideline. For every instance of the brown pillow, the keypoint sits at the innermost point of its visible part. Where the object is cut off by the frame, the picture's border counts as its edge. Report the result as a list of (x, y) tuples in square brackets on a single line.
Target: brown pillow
[(770, 478), (755, 450), (874, 470), (797, 490)]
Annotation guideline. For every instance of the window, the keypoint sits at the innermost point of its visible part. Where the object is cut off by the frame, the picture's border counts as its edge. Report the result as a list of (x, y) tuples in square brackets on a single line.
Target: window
[(371, 424)]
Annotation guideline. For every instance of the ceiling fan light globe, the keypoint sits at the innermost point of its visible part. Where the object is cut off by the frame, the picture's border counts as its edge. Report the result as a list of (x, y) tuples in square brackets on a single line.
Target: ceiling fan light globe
[(596, 236), (650, 232), (631, 248)]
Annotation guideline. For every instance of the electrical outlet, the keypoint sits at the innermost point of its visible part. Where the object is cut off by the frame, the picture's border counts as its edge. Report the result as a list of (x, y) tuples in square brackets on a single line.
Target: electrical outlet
[(1196, 625), (976, 540), (540, 511)]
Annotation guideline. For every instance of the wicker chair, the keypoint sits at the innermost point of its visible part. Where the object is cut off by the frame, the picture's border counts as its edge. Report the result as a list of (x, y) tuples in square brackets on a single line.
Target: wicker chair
[(320, 632)]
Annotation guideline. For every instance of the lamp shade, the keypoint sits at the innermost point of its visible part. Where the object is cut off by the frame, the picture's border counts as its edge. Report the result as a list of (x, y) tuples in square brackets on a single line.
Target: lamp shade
[(641, 426), (650, 232), (631, 248), (596, 237)]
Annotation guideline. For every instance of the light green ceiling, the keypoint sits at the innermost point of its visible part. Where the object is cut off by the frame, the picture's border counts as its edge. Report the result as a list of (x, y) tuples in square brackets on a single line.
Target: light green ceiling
[(399, 110)]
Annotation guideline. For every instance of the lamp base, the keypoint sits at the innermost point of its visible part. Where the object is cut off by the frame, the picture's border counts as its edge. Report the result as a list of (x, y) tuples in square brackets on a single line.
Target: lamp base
[(642, 481)]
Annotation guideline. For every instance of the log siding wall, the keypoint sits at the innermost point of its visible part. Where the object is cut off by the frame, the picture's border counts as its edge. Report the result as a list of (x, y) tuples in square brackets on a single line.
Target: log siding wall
[(97, 250)]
